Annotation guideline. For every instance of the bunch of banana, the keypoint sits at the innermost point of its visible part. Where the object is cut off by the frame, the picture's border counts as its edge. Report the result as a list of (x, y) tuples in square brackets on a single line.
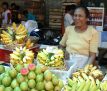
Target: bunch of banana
[(89, 70), (51, 59), (80, 84), (21, 56), (20, 32), (29, 44), (14, 34), (6, 38)]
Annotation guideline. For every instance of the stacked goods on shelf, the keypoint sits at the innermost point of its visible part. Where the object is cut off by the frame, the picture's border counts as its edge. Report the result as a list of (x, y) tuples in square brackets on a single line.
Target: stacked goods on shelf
[(87, 79), (96, 17), (55, 18), (21, 56), (30, 78), (52, 57)]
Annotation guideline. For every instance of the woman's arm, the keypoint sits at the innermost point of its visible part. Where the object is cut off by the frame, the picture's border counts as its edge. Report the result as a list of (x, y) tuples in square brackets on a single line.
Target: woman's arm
[(66, 54), (92, 57), (61, 47)]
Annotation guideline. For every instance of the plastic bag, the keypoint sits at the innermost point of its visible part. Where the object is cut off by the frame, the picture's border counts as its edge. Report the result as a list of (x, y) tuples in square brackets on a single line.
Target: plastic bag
[(31, 25)]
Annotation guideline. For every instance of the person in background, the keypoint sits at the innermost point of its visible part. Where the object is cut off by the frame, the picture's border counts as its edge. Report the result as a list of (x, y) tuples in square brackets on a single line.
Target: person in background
[(14, 12), (68, 18), (6, 14), (81, 40), (29, 15)]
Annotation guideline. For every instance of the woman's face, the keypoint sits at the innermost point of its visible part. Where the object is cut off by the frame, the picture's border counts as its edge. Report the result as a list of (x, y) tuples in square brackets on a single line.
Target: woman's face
[(80, 18)]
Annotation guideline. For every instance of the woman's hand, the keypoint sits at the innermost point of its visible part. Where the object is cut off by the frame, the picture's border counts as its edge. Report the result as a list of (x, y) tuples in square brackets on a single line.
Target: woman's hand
[(92, 57), (66, 55)]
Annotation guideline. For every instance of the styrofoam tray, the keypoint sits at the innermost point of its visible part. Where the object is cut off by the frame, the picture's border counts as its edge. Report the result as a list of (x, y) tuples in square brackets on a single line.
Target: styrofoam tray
[(64, 74), (105, 78)]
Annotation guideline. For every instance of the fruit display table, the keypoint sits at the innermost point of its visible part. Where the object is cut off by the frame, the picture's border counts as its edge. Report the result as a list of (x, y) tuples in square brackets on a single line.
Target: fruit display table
[(5, 53)]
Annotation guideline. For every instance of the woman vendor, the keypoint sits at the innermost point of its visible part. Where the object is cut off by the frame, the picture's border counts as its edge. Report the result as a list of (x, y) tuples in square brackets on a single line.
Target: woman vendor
[(81, 40)]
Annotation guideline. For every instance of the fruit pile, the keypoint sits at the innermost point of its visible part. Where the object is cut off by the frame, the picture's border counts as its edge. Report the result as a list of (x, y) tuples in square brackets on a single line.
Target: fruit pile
[(87, 79), (14, 34), (21, 56), (89, 70), (30, 78), (80, 84), (51, 57)]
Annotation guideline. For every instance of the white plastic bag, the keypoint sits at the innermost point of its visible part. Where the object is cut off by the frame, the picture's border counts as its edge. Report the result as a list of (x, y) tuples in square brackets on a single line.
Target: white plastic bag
[(31, 25)]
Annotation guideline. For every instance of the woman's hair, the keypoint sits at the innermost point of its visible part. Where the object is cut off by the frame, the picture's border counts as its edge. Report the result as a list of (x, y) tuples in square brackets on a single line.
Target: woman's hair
[(86, 11)]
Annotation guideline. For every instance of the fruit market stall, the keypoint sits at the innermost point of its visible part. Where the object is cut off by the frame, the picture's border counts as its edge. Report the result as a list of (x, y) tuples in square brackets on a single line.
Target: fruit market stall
[(48, 71)]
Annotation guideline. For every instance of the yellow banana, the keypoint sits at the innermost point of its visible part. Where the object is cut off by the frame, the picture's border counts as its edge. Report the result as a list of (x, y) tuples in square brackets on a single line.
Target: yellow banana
[(87, 86), (84, 76), (4, 32), (14, 26)]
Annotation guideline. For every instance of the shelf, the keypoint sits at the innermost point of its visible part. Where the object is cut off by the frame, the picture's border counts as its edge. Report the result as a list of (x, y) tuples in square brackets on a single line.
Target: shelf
[(96, 20)]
